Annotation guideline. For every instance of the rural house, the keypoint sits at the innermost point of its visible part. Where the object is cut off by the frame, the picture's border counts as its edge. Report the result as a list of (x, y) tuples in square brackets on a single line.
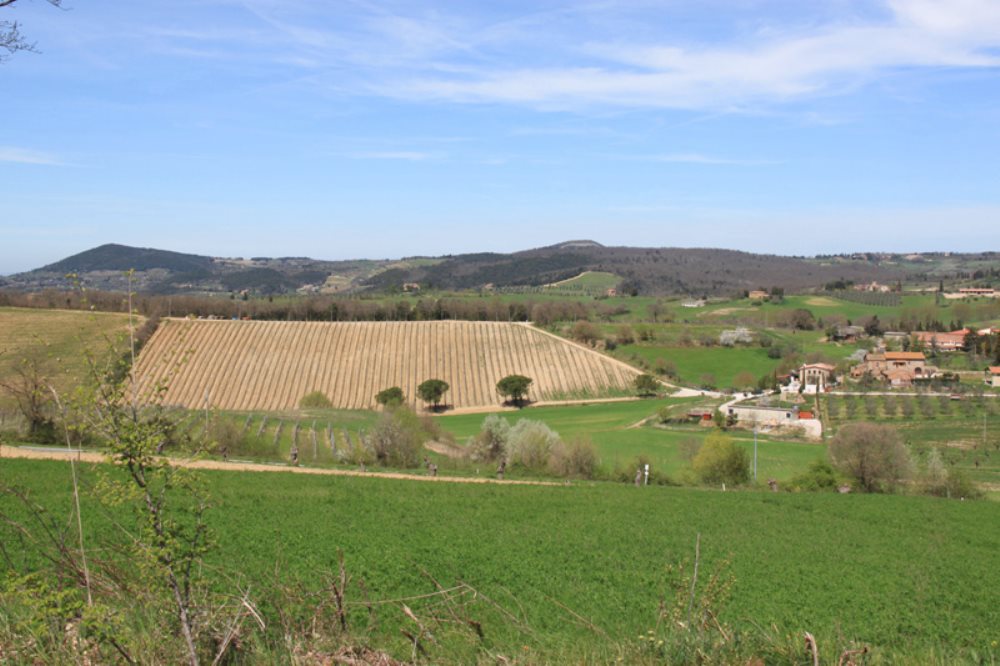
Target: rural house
[(757, 295), (993, 376), (894, 368), (943, 342), (815, 377)]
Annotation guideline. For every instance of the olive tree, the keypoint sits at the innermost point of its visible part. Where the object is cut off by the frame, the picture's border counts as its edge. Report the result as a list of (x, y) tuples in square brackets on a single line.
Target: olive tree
[(874, 455)]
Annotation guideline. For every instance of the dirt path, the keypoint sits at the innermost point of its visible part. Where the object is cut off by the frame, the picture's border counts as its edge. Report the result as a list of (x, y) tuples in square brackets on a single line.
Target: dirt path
[(91, 457)]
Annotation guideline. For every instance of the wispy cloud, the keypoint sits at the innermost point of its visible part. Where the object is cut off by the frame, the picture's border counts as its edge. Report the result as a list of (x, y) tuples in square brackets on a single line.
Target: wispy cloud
[(772, 67), (27, 156)]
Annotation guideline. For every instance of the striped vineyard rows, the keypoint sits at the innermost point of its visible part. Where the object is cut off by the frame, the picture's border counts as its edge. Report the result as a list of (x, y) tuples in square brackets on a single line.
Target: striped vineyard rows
[(270, 365)]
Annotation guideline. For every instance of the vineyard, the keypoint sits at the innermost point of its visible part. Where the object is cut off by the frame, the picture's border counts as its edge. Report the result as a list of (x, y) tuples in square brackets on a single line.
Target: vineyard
[(255, 365)]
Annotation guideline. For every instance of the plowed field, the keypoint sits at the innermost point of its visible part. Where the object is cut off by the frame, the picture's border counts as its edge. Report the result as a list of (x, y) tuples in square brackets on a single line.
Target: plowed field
[(257, 365)]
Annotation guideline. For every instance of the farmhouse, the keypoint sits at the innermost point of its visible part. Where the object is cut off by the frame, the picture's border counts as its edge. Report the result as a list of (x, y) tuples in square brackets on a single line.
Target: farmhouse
[(944, 342), (894, 368), (755, 416), (873, 286), (815, 377), (757, 295), (993, 376), (977, 291)]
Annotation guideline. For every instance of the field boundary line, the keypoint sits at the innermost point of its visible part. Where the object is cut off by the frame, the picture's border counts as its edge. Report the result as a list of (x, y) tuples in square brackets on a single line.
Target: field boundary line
[(7, 451)]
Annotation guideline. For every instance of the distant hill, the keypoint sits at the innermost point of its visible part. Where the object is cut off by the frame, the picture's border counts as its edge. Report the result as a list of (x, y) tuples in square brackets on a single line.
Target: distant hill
[(681, 271), (113, 257), (643, 270)]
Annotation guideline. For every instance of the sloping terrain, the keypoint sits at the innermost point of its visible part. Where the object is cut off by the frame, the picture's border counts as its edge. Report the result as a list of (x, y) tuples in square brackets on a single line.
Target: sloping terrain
[(256, 365), (58, 341)]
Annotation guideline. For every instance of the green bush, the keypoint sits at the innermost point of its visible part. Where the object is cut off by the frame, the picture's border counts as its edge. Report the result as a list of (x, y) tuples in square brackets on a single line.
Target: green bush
[(315, 400), (721, 461), (821, 476)]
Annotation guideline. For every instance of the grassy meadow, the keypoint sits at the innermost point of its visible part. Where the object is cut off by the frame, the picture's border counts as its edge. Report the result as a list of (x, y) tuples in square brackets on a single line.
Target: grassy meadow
[(579, 570), (59, 340)]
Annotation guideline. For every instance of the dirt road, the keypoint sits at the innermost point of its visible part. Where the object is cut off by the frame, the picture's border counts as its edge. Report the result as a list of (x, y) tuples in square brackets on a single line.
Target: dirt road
[(91, 457)]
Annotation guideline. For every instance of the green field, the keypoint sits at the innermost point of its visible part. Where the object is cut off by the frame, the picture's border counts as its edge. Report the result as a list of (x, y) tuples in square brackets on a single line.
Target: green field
[(582, 568)]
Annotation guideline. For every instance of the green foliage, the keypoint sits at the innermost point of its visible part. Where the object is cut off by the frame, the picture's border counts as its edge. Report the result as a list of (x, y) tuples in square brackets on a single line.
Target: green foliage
[(315, 400), (719, 460), (432, 390), (514, 387), (646, 385), (390, 397), (821, 476)]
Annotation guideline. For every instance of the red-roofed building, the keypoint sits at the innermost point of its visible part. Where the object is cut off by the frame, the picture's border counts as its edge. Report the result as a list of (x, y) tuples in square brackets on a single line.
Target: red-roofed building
[(993, 375), (944, 342)]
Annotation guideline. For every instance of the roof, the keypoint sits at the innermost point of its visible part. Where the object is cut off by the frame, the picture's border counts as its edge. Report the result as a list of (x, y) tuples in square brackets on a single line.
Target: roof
[(874, 357), (821, 366), (904, 356), (995, 369), (806, 415)]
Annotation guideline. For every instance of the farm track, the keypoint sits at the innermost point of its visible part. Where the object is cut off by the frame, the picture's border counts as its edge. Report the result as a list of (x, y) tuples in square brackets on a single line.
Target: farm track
[(91, 457), (255, 365)]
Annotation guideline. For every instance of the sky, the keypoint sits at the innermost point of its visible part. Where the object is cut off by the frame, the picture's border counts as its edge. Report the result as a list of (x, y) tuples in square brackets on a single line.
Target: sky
[(354, 128)]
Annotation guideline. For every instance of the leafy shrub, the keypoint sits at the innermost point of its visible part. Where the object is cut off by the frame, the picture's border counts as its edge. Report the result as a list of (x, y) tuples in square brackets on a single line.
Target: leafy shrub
[(398, 438), (530, 444), (491, 441), (390, 397), (578, 457), (721, 461), (820, 476), (646, 385), (315, 400)]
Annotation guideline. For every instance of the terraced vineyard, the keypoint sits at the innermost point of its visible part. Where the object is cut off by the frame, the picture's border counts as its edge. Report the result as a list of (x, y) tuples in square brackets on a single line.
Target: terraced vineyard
[(256, 365)]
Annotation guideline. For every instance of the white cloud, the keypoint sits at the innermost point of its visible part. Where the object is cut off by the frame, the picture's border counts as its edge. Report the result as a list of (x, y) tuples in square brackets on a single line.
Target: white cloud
[(774, 66), (26, 156)]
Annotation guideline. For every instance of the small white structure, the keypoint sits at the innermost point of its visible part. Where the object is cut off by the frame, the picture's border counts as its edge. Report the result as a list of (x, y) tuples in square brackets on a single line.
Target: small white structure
[(741, 334), (993, 376)]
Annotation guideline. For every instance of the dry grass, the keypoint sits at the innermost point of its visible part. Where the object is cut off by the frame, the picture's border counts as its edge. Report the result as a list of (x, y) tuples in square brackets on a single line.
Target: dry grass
[(59, 339)]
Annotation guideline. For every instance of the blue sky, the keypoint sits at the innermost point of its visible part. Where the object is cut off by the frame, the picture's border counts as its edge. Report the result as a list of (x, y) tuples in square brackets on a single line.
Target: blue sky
[(383, 129)]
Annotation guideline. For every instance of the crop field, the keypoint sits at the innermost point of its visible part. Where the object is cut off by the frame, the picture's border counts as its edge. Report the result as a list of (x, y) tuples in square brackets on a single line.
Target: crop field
[(966, 432), (580, 568), (254, 365), (58, 339)]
